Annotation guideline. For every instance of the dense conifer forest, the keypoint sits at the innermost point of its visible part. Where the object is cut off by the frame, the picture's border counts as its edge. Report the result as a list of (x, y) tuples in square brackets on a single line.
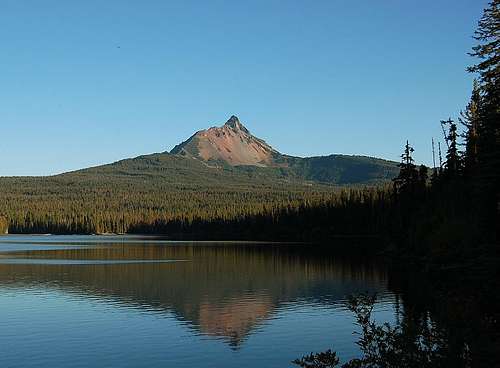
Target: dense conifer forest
[(180, 196), (445, 219), (447, 226), (101, 203), (448, 208)]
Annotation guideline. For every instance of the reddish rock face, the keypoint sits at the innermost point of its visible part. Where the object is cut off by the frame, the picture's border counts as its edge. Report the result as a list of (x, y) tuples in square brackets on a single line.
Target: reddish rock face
[(231, 143)]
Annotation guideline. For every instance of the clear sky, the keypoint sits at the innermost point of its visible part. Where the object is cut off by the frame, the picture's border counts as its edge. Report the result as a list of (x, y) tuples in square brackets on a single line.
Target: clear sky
[(89, 82)]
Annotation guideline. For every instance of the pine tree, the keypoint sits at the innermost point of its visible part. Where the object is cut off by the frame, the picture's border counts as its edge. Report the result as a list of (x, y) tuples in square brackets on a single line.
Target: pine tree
[(453, 164), (488, 129), (488, 48), (470, 119), (4, 225), (408, 174), (423, 175)]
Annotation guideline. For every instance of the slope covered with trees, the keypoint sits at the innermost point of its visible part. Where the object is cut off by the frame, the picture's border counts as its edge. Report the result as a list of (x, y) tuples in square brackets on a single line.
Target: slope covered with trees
[(168, 193), (454, 206)]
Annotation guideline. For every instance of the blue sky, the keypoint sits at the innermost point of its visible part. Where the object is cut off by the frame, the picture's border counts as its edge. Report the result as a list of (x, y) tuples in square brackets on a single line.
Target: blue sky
[(89, 82)]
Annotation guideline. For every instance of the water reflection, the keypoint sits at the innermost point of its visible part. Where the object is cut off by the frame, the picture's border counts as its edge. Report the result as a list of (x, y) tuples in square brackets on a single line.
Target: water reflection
[(223, 290)]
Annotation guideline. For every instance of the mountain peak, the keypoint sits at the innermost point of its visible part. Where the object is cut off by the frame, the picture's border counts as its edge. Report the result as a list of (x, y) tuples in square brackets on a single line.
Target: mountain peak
[(233, 120), (231, 143), (235, 124)]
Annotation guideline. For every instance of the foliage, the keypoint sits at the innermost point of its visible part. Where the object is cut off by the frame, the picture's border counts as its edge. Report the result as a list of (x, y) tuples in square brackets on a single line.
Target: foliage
[(325, 359), (408, 344), (453, 161), (103, 203), (4, 225), (453, 222), (343, 169), (408, 174), (487, 170), (163, 193), (470, 119), (487, 50)]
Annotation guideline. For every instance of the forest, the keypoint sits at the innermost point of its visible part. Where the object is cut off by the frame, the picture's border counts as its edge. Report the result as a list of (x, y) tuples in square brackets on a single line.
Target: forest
[(446, 233), (426, 210), (435, 210), (444, 220)]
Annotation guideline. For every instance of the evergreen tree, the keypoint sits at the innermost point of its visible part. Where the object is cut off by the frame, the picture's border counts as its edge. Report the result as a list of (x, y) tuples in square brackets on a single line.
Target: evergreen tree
[(408, 174), (423, 173), (488, 48), (453, 163), (488, 129), (4, 225), (470, 119)]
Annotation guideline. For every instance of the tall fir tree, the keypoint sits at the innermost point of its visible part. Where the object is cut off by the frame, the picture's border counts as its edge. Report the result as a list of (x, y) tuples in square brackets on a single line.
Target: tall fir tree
[(453, 164), (470, 119), (408, 175), (487, 51)]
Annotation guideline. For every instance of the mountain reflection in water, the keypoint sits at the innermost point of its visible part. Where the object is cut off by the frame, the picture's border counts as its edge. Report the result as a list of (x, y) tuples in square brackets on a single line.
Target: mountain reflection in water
[(223, 290)]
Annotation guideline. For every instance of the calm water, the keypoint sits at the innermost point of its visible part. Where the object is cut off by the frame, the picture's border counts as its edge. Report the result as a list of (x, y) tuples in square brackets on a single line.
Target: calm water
[(81, 301)]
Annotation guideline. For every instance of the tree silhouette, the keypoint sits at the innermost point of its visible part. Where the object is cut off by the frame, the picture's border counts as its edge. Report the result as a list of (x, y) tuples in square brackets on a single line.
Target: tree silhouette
[(408, 174), (470, 119), (453, 163), (487, 51)]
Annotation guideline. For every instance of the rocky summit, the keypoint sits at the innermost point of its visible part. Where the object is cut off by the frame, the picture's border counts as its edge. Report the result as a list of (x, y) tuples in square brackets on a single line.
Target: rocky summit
[(231, 143)]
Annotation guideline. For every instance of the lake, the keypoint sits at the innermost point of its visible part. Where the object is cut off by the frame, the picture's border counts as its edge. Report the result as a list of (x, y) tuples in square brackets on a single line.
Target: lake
[(123, 301)]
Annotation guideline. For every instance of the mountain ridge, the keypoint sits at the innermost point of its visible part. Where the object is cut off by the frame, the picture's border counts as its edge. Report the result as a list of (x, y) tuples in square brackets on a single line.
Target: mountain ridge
[(231, 154)]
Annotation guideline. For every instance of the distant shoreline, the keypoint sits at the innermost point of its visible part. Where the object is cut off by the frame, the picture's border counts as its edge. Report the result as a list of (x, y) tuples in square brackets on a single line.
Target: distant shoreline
[(160, 237)]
